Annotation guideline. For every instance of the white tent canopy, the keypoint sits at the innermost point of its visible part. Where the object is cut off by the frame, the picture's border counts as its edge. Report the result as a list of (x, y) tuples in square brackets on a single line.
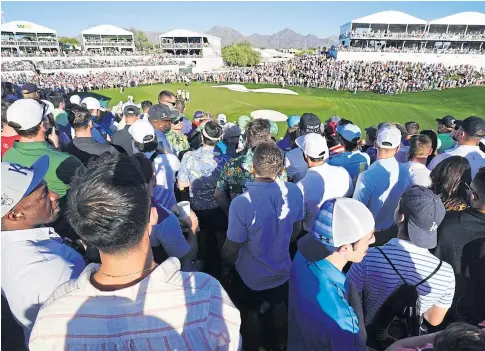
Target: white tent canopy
[(26, 27), (183, 33), (106, 29), (462, 18), (390, 17)]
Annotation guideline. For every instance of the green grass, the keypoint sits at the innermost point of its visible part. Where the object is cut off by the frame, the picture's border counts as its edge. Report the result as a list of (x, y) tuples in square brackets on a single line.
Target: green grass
[(364, 109)]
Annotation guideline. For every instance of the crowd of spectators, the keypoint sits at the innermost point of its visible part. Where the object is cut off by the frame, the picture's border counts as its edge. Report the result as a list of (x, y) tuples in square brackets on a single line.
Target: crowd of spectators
[(144, 229), (420, 34)]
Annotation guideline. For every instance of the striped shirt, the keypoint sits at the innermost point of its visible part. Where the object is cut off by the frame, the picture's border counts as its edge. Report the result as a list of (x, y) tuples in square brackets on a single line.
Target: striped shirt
[(377, 280), (168, 310)]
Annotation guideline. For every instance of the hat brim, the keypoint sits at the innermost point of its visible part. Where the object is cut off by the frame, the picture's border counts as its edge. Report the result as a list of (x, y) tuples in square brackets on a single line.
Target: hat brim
[(40, 167), (420, 237), (299, 141), (313, 249)]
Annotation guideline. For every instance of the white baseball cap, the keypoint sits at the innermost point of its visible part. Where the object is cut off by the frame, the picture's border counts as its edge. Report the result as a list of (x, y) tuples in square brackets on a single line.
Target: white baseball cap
[(140, 130), (19, 181), (91, 103), (313, 145), (222, 119), (50, 107), (388, 137), (26, 112), (75, 99), (339, 221), (349, 132)]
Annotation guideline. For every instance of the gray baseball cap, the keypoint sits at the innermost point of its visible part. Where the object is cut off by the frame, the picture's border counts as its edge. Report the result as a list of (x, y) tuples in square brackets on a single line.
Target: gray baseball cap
[(424, 212), (162, 112)]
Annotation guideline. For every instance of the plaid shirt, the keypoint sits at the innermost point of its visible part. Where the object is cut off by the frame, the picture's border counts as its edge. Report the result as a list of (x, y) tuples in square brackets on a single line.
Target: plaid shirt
[(237, 172), (168, 310)]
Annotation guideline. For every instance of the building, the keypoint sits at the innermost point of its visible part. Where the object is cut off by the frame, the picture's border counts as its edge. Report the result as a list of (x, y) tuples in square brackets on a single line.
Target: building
[(199, 50), (107, 38), (271, 55), (26, 37), (392, 31)]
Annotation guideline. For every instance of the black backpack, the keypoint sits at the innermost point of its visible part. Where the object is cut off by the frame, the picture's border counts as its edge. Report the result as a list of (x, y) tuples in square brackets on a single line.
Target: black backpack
[(398, 317)]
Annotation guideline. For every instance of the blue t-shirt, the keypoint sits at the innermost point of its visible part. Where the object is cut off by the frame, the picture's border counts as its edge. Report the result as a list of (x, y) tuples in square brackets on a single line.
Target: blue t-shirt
[(262, 218), (354, 162), (319, 314)]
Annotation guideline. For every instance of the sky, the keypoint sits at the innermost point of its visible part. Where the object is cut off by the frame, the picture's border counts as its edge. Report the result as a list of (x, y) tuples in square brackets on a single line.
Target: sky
[(323, 19)]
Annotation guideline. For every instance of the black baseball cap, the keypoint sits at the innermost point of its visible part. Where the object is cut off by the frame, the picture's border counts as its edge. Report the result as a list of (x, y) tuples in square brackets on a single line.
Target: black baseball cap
[(310, 123), (161, 112), (29, 88), (131, 110), (424, 212), (473, 126), (371, 132), (447, 121)]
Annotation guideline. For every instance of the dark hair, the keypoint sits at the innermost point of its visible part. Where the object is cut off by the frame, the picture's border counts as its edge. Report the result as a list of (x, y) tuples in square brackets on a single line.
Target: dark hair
[(29, 133), (148, 146), (460, 337), (165, 93), (434, 143), (5, 106), (349, 145), (412, 128), (344, 122), (318, 159), (79, 117), (146, 168), (146, 104), (419, 145), (448, 180), (479, 184), (180, 104), (108, 204), (213, 130), (258, 131), (56, 100), (267, 160)]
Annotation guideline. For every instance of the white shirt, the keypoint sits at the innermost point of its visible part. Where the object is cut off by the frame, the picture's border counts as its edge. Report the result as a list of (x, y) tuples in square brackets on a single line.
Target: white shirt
[(34, 263), (381, 187), (320, 184), (295, 164), (419, 174), (472, 153), (168, 310), (377, 280)]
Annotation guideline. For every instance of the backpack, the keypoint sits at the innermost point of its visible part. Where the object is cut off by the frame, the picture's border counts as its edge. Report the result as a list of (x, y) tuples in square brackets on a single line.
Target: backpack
[(399, 316)]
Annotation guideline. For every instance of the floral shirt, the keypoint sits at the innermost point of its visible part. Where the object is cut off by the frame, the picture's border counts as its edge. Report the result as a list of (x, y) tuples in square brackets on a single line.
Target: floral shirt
[(179, 143), (201, 169), (237, 172)]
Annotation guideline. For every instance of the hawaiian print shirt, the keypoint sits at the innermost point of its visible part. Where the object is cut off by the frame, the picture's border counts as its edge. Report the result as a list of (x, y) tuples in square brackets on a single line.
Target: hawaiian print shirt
[(201, 169), (237, 172), (179, 143)]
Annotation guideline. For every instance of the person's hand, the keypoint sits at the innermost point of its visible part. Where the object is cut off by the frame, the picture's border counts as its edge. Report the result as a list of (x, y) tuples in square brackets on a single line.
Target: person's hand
[(108, 138), (54, 138), (188, 224)]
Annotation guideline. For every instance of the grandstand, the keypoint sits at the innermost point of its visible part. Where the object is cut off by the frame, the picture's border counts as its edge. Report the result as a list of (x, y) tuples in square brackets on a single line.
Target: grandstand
[(107, 39), (200, 50), (24, 37), (391, 31), (271, 55)]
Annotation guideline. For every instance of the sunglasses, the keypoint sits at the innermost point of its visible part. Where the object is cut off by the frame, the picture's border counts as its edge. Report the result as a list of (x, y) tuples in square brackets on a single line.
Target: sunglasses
[(176, 122)]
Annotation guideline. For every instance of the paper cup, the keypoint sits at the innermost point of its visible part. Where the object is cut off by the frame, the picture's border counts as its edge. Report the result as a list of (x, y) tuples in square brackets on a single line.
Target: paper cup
[(184, 209)]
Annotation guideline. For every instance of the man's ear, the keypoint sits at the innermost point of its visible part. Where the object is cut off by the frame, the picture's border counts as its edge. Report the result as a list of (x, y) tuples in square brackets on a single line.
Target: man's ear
[(16, 216)]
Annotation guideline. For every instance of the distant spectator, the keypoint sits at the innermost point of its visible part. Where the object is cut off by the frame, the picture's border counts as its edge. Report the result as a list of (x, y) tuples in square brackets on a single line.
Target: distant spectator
[(122, 138), (288, 141), (446, 126), (435, 144), (145, 107), (420, 147), (468, 134), (449, 180), (370, 140)]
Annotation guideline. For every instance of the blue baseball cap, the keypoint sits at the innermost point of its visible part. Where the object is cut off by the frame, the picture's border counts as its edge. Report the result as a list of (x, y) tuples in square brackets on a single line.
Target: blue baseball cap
[(293, 121), (349, 132), (340, 221), (198, 114), (424, 212)]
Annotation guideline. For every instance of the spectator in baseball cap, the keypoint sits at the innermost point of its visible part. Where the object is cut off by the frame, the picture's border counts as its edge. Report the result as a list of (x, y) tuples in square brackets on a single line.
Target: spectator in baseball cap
[(319, 317), (230, 140), (99, 133), (446, 126), (75, 100), (322, 181), (30, 91), (288, 141), (334, 119), (175, 136), (34, 259), (354, 161), (468, 134), (122, 137), (381, 186), (27, 118), (160, 116), (406, 259), (294, 162), (370, 143), (83, 145)]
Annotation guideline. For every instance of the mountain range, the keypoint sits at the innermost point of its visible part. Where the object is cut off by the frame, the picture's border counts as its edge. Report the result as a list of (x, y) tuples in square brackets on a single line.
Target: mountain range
[(284, 39)]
